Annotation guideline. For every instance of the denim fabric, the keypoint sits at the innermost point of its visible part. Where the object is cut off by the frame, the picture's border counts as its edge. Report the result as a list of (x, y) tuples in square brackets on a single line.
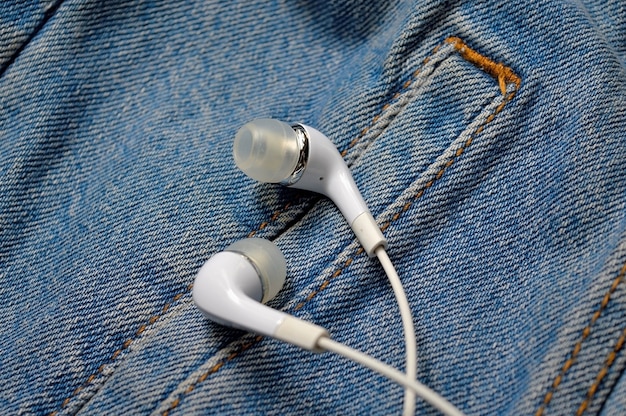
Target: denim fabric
[(488, 139)]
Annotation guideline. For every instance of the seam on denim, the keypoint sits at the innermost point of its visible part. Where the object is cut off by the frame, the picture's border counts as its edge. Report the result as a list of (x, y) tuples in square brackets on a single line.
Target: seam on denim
[(261, 227), (52, 9), (608, 362), (578, 346), (154, 318), (380, 118), (512, 85), (620, 373), (503, 74), (273, 218)]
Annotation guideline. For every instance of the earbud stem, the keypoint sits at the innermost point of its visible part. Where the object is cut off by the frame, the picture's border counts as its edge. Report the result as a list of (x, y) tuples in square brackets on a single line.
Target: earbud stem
[(301, 157), (228, 290), (368, 233), (300, 333), (327, 173)]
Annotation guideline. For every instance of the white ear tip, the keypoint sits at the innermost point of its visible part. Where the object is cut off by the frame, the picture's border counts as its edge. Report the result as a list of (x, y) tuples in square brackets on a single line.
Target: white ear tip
[(267, 259), (266, 150)]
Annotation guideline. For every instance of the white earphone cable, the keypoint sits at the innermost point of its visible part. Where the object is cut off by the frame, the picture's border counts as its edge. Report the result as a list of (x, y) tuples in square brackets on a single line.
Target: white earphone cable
[(407, 324), (391, 373)]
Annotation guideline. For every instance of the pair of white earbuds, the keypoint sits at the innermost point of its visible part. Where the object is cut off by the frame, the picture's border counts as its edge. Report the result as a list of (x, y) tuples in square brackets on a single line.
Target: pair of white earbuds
[(233, 285)]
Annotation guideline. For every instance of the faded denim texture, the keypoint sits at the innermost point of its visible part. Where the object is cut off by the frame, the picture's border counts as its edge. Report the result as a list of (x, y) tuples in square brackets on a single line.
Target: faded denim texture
[(488, 139)]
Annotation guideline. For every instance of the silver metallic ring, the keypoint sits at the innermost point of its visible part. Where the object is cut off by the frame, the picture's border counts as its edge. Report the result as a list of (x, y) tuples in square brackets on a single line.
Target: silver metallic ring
[(303, 145)]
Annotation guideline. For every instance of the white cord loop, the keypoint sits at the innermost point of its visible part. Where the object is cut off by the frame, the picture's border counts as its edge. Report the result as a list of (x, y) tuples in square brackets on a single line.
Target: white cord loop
[(391, 373)]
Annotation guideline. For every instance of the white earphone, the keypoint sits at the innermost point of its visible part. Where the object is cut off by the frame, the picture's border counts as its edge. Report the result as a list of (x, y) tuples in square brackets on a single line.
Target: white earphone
[(301, 157), (232, 286)]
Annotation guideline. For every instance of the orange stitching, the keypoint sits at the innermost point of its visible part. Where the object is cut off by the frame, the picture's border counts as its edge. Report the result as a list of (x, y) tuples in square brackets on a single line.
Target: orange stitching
[(125, 346), (359, 251), (499, 71), (140, 330), (578, 346), (247, 345), (385, 107), (496, 70), (610, 359), (273, 218), (214, 369)]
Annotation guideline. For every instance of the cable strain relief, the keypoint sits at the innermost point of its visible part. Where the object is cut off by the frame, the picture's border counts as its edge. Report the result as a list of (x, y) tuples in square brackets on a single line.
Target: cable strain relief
[(367, 231), (300, 333)]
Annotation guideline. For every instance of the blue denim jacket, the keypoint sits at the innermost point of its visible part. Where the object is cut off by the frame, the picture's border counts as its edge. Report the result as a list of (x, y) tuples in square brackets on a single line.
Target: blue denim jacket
[(489, 141)]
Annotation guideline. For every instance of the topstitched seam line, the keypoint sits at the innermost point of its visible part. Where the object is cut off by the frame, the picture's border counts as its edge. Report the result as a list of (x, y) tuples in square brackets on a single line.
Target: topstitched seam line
[(262, 226), (503, 74), (45, 19), (578, 346), (460, 46), (497, 70), (404, 87), (608, 363), (124, 346)]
